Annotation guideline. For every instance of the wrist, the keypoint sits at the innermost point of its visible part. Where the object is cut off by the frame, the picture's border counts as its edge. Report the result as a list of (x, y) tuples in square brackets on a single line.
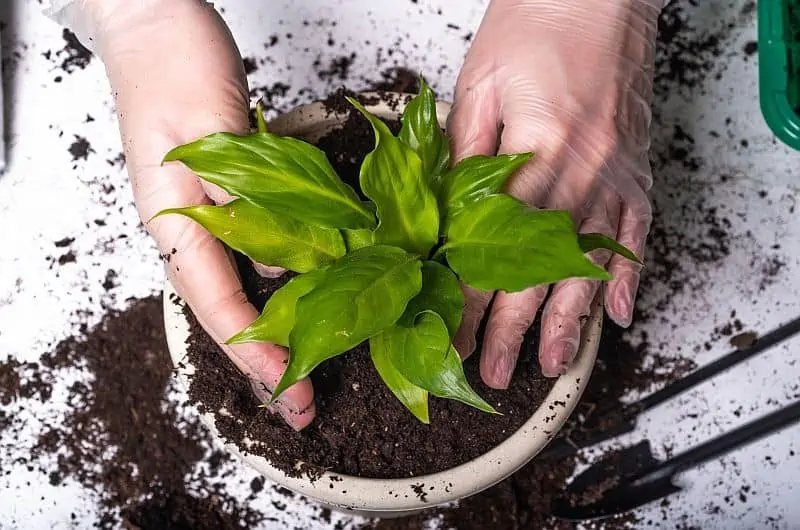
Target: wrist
[(90, 20), (582, 5)]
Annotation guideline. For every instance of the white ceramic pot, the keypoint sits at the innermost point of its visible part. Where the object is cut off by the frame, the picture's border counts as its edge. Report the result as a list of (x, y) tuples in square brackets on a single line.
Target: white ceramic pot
[(397, 497)]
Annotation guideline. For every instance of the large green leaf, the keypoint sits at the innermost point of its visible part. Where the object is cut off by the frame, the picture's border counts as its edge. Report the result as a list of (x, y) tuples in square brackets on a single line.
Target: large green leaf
[(590, 242), (391, 175), (266, 237), (499, 243), (414, 398), (441, 293), (363, 293), (282, 174), (424, 356), (278, 317), (474, 178), (422, 133)]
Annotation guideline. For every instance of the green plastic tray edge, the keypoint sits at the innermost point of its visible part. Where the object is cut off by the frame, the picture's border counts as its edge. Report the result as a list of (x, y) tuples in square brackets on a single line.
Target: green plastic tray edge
[(772, 72)]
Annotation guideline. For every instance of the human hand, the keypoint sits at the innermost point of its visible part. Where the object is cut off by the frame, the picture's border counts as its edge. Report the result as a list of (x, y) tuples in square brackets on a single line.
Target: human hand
[(177, 75), (570, 80)]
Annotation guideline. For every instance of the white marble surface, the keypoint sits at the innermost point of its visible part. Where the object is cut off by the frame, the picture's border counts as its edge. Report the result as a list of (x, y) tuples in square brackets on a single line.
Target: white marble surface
[(45, 196)]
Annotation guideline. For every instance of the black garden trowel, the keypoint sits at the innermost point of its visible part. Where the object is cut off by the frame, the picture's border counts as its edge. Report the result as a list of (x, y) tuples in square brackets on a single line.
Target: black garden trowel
[(633, 477)]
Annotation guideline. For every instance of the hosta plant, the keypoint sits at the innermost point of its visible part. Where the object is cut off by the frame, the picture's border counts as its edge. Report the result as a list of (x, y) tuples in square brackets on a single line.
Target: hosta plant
[(386, 270)]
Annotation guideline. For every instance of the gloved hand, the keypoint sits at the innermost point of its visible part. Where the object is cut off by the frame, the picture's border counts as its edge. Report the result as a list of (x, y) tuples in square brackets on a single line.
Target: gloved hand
[(570, 80), (177, 75)]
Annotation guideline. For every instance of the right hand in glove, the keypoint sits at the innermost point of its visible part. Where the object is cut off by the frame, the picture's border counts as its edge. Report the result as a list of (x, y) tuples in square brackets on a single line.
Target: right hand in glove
[(177, 75), (570, 80)]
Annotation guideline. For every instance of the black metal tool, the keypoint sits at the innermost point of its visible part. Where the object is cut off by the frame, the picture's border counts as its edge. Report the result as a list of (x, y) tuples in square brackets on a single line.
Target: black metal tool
[(626, 418), (654, 480)]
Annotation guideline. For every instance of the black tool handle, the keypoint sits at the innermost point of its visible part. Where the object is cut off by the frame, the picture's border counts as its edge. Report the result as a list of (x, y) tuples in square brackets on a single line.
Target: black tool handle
[(710, 370), (723, 444), (561, 448)]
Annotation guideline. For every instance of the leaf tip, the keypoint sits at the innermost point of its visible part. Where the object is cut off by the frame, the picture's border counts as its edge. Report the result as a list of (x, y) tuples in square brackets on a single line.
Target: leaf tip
[(237, 339), (423, 85), (260, 121), (355, 103), (287, 380), (421, 414), (173, 155), (166, 211)]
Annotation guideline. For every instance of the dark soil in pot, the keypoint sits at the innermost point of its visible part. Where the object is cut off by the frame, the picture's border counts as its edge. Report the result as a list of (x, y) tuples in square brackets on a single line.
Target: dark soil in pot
[(361, 428)]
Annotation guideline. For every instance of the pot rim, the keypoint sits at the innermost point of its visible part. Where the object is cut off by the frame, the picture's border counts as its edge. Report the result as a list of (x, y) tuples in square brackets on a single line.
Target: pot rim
[(388, 496)]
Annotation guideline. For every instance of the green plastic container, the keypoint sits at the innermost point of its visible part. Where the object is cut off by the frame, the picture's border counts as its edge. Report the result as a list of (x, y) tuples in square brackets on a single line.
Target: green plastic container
[(779, 67)]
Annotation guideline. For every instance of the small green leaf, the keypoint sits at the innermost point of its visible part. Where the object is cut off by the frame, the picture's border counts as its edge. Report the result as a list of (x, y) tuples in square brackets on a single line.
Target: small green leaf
[(358, 238), (414, 398), (474, 178), (422, 133), (278, 317), (424, 356), (284, 175), (441, 293), (499, 243), (262, 123), (391, 175), (363, 293), (590, 242), (266, 237)]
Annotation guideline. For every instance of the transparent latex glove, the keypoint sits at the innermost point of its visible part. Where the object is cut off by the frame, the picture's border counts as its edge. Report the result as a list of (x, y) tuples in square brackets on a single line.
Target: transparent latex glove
[(177, 75), (571, 81)]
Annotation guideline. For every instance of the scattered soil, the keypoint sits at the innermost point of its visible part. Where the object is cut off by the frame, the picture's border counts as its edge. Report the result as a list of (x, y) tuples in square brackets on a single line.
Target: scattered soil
[(122, 437), (744, 340), (397, 79), (361, 429)]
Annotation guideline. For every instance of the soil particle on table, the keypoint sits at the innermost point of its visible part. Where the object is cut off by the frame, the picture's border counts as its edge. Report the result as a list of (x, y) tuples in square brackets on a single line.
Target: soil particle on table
[(250, 65), (80, 148), (69, 257), (335, 69), (73, 55), (397, 79)]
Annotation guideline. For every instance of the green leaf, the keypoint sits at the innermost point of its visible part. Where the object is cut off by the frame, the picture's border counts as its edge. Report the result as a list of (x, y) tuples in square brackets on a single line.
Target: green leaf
[(358, 238), (278, 317), (260, 121), (499, 243), (590, 242), (422, 133), (363, 293), (441, 293), (266, 237), (391, 175), (423, 355), (285, 175), (414, 398), (474, 178)]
